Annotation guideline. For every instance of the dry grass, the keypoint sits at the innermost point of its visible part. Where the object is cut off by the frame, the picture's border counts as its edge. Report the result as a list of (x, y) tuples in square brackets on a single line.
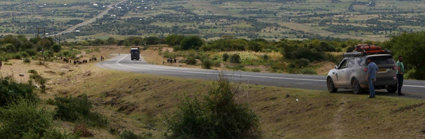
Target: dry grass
[(139, 103)]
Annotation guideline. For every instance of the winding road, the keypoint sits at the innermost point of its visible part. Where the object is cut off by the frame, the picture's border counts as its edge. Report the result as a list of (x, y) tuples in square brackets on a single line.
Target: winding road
[(412, 88)]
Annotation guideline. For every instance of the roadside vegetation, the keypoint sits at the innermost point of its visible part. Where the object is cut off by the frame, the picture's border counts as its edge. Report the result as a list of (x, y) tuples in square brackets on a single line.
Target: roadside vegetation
[(259, 55), (216, 116), (37, 48)]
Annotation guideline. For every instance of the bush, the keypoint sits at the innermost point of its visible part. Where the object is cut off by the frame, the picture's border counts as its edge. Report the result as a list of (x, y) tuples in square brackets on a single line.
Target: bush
[(235, 58), (23, 118), (11, 92), (266, 57), (225, 57), (56, 48), (255, 70), (218, 116), (129, 135), (411, 46), (206, 63), (236, 67), (191, 42), (27, 60), (308, 71), (309, 54), (39, 80), (299, 63), (78, 109), (190, 60), (82, 131)]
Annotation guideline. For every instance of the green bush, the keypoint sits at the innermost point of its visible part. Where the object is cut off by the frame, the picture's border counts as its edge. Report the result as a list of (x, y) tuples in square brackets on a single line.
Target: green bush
[(190, 60), (236, 67), (266, 57), (191, 42), (27, 60), (206, 63), (129, 135), (309, 54), (23, 118), (78, 109), (235, 58), (411, 46), (217, 116), (255, 70), (11, 92), (225, 57), (39, 80), (299, 63), (308, 71)]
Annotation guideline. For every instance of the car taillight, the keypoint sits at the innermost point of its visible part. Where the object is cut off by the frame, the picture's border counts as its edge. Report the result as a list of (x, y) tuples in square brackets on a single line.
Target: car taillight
[(395, 68), (365, 69)]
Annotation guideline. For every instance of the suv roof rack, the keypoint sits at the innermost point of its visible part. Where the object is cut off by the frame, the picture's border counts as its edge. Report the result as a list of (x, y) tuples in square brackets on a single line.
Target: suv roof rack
[(366, 49)]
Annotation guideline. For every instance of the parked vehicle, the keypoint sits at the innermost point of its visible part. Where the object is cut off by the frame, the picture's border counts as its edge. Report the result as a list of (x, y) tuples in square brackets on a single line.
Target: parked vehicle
[(351, 72)]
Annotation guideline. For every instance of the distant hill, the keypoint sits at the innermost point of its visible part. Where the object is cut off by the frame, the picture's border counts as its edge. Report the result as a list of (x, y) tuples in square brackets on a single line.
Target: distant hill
[(211, 19)]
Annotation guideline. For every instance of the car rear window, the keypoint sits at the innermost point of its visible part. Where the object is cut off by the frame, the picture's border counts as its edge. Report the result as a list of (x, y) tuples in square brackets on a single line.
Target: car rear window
[(383, 60)]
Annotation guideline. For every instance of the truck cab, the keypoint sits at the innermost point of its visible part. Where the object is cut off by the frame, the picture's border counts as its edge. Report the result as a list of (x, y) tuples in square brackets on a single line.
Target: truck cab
[(135, 53)]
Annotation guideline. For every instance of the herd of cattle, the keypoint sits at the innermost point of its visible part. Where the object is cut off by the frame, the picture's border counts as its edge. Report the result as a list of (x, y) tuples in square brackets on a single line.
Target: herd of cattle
[(76, 61)]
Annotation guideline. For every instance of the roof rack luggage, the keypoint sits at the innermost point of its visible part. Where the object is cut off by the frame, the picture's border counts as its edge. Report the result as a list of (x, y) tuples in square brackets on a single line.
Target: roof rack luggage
[(366, 49)]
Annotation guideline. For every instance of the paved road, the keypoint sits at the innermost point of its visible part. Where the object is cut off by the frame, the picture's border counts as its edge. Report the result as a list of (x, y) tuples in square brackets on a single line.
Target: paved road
[(89, 21), (412, 88)]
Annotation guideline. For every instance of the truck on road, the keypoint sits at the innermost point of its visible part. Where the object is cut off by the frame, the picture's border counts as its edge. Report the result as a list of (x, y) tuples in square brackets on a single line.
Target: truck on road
[(135, 53)]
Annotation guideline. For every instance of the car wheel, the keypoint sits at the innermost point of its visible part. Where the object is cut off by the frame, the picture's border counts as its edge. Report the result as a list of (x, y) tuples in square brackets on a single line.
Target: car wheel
[(355, 85), (331, 86), (392, 89)]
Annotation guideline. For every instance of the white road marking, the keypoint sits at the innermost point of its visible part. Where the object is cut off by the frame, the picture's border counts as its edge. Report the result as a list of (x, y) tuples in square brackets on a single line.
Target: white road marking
[(209, 73)]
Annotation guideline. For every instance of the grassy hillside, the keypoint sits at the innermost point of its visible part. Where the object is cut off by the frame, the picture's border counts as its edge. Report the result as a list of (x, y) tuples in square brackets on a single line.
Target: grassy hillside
[(140, 104), (144, 100)]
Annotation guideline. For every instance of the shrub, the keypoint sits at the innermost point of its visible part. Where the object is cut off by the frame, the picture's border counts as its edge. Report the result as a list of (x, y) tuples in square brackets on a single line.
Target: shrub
[(236, 67), (266, 57), (309, 54), (235, 58), (308, 71), (27, 60), (190, 60), (78, 109), (225, 57), (56, 48), (206, 63), (129, 135), (218, 116), (299, 63), (11, 92), (23, 118), (255, 70), (191, 42), (82, 131), (39, 80)]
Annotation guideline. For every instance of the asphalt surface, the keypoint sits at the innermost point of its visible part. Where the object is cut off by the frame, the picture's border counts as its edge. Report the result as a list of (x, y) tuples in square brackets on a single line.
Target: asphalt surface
[(412, 88)]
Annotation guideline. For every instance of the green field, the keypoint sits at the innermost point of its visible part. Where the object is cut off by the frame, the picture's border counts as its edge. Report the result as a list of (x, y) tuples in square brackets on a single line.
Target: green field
[(296, 19)]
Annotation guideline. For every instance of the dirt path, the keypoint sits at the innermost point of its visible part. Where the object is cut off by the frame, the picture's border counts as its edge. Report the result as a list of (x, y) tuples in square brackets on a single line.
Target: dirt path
[(337, 126), (89, 21)]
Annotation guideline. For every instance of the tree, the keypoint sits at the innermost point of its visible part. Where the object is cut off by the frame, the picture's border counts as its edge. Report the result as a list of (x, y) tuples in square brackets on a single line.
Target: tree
[(411, 46), (174, 40), (56, 48), (191, 42)]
